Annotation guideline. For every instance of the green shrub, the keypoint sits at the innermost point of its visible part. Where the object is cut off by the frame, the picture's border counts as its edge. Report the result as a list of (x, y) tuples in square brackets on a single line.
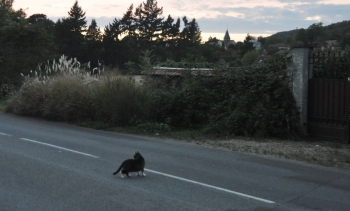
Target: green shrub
[(256, 102), (154, 127), (250, 57), (120, 100), (182, 102), (251, 101)]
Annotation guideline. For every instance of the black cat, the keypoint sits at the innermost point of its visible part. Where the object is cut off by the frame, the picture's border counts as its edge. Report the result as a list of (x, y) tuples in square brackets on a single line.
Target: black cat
[(132, 165)]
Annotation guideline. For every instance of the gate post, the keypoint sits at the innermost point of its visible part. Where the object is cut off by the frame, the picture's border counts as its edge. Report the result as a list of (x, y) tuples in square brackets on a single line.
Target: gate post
[(298, 74)]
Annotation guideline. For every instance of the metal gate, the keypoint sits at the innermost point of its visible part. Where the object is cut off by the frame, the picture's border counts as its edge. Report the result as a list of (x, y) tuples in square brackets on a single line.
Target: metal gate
[(328, 108)]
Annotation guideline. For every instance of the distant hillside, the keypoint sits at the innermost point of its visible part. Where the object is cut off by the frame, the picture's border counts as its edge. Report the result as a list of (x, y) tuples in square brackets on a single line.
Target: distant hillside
[(281, 37), (336, 31)]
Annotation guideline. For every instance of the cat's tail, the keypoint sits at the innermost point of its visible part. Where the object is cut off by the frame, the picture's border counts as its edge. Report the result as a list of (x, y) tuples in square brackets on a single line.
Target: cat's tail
[(118, 170)]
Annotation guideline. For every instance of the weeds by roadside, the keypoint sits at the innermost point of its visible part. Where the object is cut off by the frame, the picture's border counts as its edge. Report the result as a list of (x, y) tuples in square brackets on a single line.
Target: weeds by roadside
[(2, 104)]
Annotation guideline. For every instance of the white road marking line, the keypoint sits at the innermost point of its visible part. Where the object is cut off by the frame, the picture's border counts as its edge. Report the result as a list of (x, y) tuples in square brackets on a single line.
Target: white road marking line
[(5, 134), (213, 187), (58, 147)]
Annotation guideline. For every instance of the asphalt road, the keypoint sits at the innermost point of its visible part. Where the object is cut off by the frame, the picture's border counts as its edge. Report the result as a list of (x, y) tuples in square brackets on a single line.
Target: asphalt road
[(56, 166)]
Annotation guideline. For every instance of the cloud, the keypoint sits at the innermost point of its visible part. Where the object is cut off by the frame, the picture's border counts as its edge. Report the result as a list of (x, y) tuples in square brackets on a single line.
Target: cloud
[(273, 19), (240, 16)]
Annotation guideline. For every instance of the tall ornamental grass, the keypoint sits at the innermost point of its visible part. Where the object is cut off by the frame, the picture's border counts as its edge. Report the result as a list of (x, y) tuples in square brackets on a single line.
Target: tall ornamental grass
[(66, 92)]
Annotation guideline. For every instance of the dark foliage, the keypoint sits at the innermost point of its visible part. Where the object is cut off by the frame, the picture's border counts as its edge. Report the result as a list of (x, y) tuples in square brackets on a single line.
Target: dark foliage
[(22, 45), (252, 101), (331, 64)]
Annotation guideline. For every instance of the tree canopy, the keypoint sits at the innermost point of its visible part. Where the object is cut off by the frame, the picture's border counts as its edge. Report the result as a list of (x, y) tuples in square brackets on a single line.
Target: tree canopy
[(23, 44)]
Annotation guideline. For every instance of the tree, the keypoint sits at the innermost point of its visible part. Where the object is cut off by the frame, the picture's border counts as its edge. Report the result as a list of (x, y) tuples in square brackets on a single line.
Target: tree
[(247, 44), (314, 32), (128, 23), (212, 39), (113, 31), (191, 32), (93, 44), (170, 30), (345, 39), (93, 32), (22, 45), (262, 40), (69, 33), (37, 18), (6, 5), (169, 39), (42, 19), (112, 44), (149, 22), (187, 45), (311, 34), (77, 18), (301, 36)]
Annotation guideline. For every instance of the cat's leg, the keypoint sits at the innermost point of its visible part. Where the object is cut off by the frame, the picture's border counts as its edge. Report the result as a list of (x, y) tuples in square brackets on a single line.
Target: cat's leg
[(121, 174), (141, 173)]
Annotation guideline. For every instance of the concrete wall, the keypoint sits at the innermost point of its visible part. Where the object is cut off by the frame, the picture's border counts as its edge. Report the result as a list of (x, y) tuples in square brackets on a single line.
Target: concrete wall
[(298, 73)]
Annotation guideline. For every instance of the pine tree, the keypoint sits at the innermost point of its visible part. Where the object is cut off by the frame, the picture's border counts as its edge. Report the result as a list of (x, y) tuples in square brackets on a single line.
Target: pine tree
[(149, 22), (93, 32), (170, 30), (69, 33), (93, 42), (128, 22), (77, 18), (111, 43), (113, 31), (191, 32)]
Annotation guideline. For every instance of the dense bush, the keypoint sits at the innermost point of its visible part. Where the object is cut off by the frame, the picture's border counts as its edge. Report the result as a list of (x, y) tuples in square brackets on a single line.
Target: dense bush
[(252, 101), (256, 102)]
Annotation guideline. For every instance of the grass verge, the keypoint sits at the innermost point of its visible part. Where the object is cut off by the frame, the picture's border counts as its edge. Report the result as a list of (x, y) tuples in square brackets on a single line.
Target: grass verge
[(2, 104)]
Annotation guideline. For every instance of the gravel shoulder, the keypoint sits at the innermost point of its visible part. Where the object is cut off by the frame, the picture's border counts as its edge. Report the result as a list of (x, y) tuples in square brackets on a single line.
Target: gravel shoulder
[(328, 153), (324, 153)]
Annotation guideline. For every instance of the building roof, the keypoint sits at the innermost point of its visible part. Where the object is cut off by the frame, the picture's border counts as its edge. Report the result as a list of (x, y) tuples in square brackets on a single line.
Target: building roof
[(171, 71)]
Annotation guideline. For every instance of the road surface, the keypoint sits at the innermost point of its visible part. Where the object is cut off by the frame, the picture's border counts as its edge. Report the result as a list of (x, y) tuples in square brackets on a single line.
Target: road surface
[(56, 166)]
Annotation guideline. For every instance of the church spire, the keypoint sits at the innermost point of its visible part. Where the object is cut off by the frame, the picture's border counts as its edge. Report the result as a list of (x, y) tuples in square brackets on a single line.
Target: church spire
[(227, 40), (227, 36)]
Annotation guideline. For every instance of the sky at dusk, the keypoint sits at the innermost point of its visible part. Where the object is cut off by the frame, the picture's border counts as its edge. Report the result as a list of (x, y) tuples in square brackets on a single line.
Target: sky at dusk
[(239, 17)]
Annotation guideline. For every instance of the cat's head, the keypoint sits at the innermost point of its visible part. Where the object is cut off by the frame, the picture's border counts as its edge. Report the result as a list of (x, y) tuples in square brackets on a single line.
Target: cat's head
[(137, 155)]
